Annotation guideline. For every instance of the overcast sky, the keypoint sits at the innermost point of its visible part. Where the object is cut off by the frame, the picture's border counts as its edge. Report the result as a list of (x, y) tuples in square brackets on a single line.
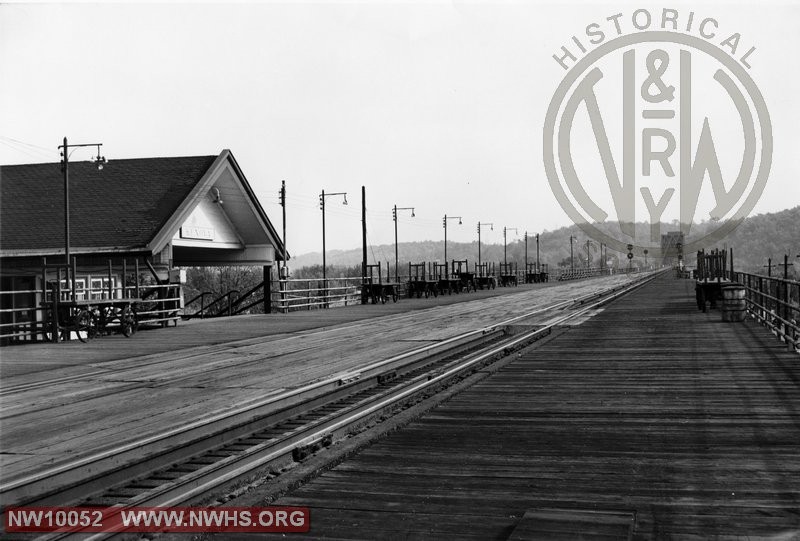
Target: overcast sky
[(437, 106)]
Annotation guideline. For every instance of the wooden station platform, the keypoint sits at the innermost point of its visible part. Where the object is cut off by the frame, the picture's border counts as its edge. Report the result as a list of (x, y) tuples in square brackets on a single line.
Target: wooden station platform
[(59, 402), (650, 420)]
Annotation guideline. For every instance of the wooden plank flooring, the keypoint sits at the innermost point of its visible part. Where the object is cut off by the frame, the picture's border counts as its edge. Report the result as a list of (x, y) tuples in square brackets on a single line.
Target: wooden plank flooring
[(43, 357), (651, 409), (112, 401)]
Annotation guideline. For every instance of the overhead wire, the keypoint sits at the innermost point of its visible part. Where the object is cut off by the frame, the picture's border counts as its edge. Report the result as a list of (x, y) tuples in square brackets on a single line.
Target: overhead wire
[(34, 151)]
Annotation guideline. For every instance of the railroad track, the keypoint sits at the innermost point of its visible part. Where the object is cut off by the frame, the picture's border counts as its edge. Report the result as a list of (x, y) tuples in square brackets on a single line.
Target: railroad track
[(195, 461)]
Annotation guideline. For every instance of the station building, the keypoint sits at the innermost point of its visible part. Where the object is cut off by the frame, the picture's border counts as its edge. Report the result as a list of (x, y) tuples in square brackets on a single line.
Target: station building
[(136, 220)]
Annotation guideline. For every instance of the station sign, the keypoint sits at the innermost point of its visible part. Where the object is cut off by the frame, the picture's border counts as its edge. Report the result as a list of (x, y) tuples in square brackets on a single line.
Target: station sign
[(196, 232)]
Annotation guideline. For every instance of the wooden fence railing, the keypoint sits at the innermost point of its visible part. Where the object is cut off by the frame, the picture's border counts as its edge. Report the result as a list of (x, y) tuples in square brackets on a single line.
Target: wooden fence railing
[(159, 305), (775, 303)]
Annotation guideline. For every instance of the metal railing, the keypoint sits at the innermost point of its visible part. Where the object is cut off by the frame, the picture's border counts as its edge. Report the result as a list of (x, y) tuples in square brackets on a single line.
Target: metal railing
[(583, 272), (773, 302), (20, 323), (221, 306), (298, 294)]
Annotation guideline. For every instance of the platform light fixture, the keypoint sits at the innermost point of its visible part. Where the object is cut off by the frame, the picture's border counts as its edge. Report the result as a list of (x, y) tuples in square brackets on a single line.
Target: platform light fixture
[(444, 222), (99, 162), (538, 267), (572, 240), (491, 228), (322, 197), (394, 217), (505, 231)]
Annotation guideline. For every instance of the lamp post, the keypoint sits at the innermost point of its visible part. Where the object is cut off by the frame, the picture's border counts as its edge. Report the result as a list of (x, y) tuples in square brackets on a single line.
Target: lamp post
[(491, 227), (100, 161), (602, 259), (282, 195), (322, 197), (506, 230), (394, 217), (444, 222), (588, 254), (571, 259), (525, 276)]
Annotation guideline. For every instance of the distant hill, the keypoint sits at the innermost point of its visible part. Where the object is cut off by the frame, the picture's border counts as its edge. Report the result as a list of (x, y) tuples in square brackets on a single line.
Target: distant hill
[(754, 241), (766, 236)]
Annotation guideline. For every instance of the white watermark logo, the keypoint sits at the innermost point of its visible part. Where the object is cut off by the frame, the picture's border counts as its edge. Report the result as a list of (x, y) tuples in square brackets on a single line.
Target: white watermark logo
[(657, 120)]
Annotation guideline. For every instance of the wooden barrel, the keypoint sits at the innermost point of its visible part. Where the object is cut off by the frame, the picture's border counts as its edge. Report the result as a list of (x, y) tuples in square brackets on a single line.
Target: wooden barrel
[(733, 302)]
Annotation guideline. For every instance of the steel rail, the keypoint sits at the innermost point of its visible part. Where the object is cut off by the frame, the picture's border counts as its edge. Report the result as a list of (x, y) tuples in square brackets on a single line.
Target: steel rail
[(33, 486)]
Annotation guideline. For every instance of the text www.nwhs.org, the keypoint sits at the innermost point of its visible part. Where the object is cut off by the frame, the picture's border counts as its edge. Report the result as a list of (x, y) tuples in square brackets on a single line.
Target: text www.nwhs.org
[(157, 519)]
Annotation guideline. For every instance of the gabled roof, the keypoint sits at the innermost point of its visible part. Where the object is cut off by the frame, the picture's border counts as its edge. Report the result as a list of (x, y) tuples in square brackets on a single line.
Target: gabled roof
[(124, 207)]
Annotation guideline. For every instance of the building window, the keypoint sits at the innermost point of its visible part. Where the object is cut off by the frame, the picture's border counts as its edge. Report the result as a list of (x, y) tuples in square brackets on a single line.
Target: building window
[(80, 289), (100, 288)]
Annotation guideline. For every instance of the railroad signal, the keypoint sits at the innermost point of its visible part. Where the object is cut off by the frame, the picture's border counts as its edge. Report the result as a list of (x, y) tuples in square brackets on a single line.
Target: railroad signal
[(630, 255)]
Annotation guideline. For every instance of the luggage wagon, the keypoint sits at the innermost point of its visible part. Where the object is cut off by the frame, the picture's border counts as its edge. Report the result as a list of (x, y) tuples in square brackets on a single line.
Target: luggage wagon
[(544, 273), (466, 279), (484, 276), (711, 276), (447, 282), (90, 318), (380, 291), (438, 272), (418, 284), (534, 275), (508, 274)]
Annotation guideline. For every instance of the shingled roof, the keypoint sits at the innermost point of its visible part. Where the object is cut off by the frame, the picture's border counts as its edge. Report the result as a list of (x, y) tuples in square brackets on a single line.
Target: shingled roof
[(124, 206)]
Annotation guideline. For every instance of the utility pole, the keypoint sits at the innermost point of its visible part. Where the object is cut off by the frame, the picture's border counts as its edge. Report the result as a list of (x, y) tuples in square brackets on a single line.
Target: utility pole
[(602, 259), (526, 254), (769, 266), (363, 243), (588, 255), (786, 266), (571, 259), (282, 195), (505, 259), (322, 197), (538, 269), (444, 222), (99, 161), (394, 217), (491, 226)]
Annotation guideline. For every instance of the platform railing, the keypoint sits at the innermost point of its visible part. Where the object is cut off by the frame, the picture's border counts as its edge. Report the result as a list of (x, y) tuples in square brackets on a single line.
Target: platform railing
[(223, 305), (159, 306), (583, 272), (773, 302), (20, 323), (311, 294)]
